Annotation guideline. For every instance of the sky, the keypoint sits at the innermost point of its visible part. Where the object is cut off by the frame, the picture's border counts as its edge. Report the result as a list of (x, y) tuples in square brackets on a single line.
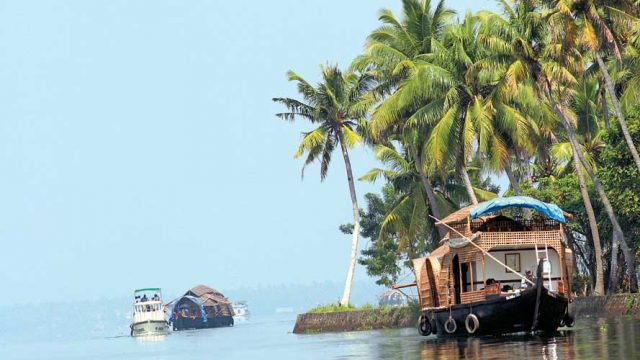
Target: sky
[(139, 146)]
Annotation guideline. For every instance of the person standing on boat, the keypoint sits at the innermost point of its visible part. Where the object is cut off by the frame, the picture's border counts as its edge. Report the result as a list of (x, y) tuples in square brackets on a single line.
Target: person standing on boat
[(524, 284)]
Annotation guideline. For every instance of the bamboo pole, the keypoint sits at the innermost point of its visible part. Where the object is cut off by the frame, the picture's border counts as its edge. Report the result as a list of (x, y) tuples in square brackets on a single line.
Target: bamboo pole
[(485, 252)]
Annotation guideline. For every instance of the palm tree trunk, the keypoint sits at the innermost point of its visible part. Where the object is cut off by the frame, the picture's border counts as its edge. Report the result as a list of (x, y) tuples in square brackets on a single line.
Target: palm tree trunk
[(618, 235), (428, 189), (515, 185), (346, 295), (598, 288), (605, 110), (467, 185), (617, 111)]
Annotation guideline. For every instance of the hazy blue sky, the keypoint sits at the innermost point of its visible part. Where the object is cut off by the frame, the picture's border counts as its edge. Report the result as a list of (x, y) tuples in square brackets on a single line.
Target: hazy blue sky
[(139, 146)]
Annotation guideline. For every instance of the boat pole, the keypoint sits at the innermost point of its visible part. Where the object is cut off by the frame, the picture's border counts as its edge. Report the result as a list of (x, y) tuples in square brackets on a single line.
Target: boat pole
[(484, 251)]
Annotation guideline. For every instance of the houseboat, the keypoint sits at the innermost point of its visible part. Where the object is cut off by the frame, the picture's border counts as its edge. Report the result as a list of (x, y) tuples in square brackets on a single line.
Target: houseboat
[(481, 279), (199, 308), (149, 318)]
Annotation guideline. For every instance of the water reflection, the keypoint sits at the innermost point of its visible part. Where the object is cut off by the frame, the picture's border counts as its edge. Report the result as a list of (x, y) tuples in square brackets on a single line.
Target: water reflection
[(591, 339), (150, 338)]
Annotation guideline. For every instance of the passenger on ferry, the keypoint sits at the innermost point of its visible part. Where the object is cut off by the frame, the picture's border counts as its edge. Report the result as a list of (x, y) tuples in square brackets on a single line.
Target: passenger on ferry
[(144, 298)]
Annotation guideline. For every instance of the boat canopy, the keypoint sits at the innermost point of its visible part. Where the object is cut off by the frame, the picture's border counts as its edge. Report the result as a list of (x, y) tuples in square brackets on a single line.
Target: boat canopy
[(147, 290), (176, 307), (551, 211)]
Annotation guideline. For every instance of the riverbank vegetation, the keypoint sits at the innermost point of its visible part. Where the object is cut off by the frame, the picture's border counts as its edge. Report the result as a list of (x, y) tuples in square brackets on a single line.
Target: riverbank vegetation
[(331, 308), (542, 93)]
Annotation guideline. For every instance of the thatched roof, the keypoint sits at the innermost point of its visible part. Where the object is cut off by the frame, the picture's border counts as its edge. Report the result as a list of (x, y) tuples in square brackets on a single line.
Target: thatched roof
[(457, 216), (439, 252), (212, 300), (203, 289)]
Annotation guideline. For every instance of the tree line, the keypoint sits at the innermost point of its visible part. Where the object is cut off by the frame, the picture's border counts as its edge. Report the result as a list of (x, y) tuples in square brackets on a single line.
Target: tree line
[(544, 92)]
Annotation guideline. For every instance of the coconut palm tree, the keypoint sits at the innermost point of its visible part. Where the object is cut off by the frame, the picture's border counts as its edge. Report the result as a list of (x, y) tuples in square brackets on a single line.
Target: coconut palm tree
[(395, 52), (601, 26), (406, 217), (478, 116), (563, 64), (529, 53), (337, 105)]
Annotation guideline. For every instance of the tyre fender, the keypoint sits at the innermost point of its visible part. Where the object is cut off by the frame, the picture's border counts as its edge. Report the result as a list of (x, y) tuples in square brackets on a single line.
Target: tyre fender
[(424, 325), (450, 326), (472, 323)]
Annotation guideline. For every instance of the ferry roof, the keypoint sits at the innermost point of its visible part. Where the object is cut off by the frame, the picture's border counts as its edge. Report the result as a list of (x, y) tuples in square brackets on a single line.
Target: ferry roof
[(147, 289)]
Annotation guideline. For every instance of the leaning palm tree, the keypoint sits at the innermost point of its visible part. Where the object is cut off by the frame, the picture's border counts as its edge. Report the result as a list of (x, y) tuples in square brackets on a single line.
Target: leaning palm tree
[(337, 105)]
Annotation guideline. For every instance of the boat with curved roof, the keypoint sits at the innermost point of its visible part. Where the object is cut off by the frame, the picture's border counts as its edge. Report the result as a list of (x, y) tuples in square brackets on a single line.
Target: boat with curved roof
[(201, 307), (480, 280)]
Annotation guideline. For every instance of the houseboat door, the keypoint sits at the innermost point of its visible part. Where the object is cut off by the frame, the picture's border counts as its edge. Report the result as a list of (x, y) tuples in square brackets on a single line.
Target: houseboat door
[(456, 278)]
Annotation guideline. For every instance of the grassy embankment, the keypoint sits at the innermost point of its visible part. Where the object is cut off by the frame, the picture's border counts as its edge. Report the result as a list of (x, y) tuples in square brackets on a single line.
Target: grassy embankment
[(332, 317)]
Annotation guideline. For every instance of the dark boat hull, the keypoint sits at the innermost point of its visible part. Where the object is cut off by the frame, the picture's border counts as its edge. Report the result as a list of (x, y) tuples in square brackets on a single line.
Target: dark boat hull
[(189, 323), (503, 315)]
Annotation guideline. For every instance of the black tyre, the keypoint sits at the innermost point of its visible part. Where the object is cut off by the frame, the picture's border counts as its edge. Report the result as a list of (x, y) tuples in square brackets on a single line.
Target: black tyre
[(568, 320), (424, 326)]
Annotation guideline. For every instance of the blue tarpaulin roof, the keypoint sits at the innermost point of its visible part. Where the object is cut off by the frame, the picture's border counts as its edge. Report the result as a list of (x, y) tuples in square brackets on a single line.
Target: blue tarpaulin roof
[(549, 210)]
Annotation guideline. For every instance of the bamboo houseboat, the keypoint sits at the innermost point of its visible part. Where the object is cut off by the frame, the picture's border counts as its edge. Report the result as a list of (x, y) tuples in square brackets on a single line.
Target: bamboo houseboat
[(199, 308), (480, 281)]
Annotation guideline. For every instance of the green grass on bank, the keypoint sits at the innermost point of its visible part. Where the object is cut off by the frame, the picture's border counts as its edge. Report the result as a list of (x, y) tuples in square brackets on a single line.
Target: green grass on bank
[(332, 308)]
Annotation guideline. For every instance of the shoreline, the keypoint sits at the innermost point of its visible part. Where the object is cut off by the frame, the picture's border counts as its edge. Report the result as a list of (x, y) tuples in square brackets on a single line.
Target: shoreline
[(406, 316)]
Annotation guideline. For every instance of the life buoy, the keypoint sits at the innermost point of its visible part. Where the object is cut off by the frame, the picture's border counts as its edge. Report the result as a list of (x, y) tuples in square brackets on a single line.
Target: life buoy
[(472, 323), (450, 326), (424, 325)]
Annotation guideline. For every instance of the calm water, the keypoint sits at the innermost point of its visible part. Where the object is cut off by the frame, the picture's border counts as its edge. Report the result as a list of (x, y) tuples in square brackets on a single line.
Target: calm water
[(270, 338)]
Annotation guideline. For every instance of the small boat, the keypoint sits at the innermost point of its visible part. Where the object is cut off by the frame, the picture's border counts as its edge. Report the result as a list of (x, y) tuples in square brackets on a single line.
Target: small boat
[(480, 281), (241, 311), (149, 318)]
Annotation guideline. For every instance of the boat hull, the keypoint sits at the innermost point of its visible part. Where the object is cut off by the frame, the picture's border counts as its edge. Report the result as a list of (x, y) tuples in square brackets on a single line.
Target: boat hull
[(502, 315), (197, 323), (150, 327)]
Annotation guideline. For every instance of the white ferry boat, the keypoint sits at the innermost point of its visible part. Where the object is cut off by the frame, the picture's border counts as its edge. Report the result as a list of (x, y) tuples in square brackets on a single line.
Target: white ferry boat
[(149, 318), (241, 311)]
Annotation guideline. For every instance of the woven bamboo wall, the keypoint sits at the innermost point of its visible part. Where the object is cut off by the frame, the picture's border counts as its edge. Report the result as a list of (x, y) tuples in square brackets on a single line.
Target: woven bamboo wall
[(469, 253)]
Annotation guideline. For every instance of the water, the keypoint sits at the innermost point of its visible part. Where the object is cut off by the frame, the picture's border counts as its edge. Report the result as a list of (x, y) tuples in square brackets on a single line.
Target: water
[(270, 338)]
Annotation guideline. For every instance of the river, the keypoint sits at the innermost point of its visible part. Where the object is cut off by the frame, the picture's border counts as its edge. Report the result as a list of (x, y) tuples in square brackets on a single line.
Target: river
[(270, 337)]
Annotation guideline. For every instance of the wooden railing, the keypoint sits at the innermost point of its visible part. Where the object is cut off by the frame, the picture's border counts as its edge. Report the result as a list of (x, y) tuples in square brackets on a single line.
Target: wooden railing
[(472, 296)]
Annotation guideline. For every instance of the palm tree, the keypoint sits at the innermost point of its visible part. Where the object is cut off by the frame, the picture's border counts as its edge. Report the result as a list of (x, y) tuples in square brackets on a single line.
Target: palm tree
[(601, 26), (528, 53), (583, 105), (563, 67), (337, 106), (396, 52), (405, 218), (478, 115)]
